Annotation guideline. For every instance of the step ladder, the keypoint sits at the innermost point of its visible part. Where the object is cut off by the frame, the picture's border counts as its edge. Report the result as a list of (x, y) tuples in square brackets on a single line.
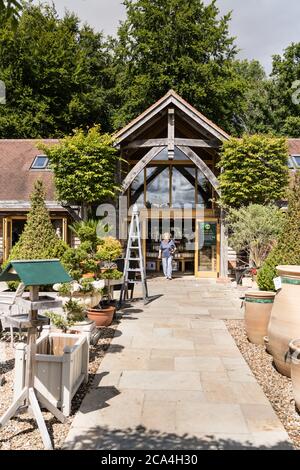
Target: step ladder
[(134, 254)]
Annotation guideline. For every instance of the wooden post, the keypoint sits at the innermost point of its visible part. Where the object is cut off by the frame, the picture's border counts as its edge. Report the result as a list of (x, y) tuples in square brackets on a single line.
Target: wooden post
[(66, 376), (19, 369), (85, 360), (31, 342), (223, 248), (171, 133)]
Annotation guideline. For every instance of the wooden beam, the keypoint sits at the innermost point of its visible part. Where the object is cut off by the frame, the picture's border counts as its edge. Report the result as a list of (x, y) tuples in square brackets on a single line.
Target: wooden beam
[(198, 143), (201, 143), (146, 143), (171, 133), (202, 167), (140, 166)]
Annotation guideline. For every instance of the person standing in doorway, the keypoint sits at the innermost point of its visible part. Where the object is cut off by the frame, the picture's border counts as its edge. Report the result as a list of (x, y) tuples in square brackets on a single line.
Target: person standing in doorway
[(166, 251)]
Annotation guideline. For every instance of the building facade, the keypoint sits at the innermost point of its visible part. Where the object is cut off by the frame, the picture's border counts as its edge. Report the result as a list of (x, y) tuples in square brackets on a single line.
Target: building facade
[(169, 169), (21, 164)]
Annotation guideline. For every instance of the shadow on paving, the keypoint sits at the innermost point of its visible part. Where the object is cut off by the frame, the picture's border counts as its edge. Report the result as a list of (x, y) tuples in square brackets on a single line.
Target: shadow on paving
[(140, 438)]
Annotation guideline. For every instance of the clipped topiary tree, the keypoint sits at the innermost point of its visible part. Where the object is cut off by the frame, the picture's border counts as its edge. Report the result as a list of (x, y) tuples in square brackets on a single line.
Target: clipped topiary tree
[(254, 170), (38, 240), (287, 249)]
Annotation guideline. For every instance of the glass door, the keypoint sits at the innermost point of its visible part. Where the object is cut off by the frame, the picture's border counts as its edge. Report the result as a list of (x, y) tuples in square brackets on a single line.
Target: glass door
[(207, 255)]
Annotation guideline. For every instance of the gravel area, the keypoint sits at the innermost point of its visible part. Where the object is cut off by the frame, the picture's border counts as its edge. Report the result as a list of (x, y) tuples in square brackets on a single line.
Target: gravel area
[(276, 387), (21, 432)]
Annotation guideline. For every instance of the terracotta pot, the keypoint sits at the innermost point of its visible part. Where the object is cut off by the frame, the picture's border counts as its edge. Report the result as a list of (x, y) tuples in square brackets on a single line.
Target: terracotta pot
[(258, 306), (266, 342), (102, 317), (295, 369), (285, 318)]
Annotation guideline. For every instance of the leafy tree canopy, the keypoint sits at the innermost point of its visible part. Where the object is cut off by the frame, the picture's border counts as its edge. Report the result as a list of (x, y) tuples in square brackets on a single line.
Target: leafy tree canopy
[(10, 11), (254, 170), (54, 72), (185, 46), (286, 82)]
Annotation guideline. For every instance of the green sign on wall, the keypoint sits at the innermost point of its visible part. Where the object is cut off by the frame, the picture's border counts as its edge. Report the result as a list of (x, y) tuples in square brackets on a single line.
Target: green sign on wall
[(208, 234)]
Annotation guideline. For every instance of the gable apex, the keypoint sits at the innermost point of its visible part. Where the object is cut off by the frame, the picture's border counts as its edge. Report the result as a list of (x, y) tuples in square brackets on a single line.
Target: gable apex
[(170, 98)]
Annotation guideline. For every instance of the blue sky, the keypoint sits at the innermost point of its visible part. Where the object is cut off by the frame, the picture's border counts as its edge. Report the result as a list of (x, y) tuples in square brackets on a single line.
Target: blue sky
[(262, 27)]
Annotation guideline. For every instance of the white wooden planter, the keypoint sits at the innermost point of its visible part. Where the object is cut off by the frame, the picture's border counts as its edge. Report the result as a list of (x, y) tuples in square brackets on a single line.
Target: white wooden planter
[(85, 300), (61, 366)]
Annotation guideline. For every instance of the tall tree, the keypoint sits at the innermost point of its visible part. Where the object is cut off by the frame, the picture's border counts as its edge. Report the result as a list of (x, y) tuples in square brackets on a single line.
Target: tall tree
[(55, 75), (257, 115), (186, 46), (10, 10), (286, 80)]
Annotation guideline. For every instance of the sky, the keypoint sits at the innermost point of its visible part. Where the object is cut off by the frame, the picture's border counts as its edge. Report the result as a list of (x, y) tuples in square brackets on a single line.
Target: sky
[(262, 27)]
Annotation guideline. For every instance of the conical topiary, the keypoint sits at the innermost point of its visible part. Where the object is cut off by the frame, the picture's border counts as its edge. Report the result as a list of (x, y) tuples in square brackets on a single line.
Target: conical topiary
[(287, 249), (38, 240)]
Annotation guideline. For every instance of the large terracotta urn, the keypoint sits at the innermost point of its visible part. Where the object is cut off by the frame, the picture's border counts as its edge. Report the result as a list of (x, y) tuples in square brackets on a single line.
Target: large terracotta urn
[(285, 318), (258, 306)]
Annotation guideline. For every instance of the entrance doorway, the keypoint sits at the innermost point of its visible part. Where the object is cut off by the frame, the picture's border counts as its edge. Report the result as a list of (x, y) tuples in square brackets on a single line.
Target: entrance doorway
[(182, 232), (207, 252)]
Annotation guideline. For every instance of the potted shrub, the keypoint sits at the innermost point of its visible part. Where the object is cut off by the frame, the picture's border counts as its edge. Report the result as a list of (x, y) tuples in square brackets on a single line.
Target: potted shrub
[(102, 315), (87, 292), (108, 251), (73, 317)]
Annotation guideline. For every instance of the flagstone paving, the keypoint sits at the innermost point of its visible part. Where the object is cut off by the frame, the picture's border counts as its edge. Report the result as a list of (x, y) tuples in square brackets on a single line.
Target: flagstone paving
[(173, 378)]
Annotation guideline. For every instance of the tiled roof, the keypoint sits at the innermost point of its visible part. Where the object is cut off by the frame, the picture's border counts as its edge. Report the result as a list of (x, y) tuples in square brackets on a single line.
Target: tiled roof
[(16, 178), (294, 146)]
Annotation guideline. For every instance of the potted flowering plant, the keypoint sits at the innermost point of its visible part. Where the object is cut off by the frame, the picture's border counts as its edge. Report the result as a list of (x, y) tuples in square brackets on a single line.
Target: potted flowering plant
[(109, 250)]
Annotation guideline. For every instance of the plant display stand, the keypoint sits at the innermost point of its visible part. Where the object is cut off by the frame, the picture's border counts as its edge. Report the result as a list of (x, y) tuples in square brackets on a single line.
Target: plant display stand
[(61, 367), (33, 274)]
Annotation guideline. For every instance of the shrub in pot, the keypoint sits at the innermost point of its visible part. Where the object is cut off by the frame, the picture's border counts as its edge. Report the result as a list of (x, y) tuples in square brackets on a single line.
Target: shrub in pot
[(87, 292), (73, 315), (109, 250)]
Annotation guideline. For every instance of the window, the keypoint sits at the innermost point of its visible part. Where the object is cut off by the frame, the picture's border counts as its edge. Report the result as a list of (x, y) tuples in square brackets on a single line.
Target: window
[(296, 159), (183, 186), (40, 163)]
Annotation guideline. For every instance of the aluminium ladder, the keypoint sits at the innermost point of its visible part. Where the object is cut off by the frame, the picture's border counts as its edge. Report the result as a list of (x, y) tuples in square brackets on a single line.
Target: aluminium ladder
[(134, 247)]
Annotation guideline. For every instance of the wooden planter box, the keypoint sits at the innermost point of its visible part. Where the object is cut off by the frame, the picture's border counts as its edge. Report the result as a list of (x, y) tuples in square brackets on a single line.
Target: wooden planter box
[(61, 366)]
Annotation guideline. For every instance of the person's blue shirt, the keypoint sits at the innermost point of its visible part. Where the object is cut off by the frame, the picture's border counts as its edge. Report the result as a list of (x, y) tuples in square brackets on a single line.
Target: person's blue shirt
[(167, 248)]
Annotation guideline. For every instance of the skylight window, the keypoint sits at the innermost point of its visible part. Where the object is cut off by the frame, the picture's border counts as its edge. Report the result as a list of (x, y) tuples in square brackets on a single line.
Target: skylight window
[(296, 159), (40, 163)]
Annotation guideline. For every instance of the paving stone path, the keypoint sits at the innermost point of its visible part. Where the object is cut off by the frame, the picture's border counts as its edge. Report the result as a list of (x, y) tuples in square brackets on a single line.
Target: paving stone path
[(173, 378)]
